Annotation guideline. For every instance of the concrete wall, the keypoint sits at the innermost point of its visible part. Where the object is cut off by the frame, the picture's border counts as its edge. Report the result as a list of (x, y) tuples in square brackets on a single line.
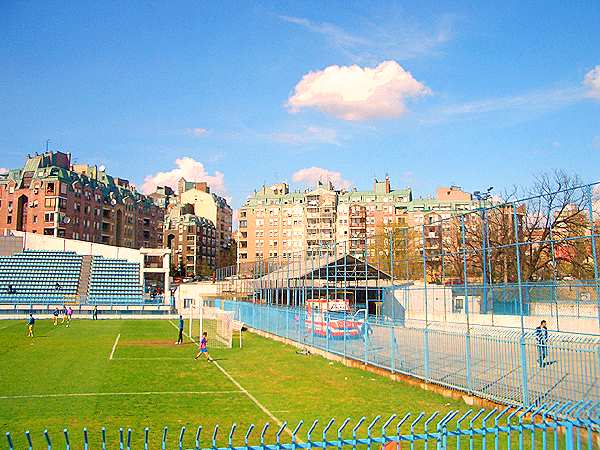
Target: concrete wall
[(194, 291), (204, 204), (440, 310), (34, 241), (9, 245)]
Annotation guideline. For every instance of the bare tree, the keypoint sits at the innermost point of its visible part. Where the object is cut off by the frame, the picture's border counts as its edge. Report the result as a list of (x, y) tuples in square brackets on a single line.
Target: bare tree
[(551, 222)]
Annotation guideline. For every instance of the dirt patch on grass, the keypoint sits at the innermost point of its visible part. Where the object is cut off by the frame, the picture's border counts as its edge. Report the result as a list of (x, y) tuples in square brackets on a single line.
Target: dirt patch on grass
[(149, 343)]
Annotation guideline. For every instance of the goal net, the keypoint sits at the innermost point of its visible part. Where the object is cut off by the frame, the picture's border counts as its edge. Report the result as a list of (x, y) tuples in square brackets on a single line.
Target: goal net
[(204, 316)]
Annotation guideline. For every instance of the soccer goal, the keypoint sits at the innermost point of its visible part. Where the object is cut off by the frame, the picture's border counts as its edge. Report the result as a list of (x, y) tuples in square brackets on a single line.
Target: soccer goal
[(205, 316)]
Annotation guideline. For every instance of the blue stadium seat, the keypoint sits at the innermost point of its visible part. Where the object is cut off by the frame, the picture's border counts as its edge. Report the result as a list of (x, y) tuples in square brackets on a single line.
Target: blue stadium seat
[(40, 276), (115, 281)]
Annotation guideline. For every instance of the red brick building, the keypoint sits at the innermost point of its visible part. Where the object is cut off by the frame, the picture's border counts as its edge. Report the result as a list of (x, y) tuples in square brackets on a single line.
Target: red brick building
[(50, 196)]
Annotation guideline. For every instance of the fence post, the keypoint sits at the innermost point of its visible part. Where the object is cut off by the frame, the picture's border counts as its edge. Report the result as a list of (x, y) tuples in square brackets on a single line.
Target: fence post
[(569, 436), (345, 326), (468, 362), (426, 351), (287, 322), (10, 442), (365, 334), (393, 350), (524, 380), (327, 332), (590, 193)]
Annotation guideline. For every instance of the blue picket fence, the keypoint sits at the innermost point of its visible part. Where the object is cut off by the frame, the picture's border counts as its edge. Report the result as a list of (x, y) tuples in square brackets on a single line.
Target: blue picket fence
[(504, 365), (543, 427)]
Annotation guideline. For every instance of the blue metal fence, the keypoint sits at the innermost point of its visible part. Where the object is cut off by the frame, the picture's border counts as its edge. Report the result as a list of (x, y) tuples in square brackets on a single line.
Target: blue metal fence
[(543, 427), (504, 365), (534, 256)]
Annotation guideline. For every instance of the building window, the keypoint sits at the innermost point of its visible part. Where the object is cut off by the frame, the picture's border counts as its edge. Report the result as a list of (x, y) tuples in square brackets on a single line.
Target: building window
[(9, 219), (34, 219)]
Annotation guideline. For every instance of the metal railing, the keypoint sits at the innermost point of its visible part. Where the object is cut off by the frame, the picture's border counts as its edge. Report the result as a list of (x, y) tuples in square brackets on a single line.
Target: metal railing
[(530, 257), (108, 300), (543, 427), (506, 365)]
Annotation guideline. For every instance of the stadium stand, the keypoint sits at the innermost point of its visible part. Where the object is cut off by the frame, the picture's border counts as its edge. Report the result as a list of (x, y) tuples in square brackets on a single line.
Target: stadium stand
[(114, 281), (40, 276), (43, 276)]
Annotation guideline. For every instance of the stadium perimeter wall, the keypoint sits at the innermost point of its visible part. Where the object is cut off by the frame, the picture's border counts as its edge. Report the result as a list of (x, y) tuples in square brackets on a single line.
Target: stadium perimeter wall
[(439, 310), (194, 291), (34, 241)]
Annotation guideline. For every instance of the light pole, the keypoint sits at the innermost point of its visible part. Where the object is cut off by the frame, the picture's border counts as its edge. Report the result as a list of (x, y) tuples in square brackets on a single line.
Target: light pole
[(482, 197)]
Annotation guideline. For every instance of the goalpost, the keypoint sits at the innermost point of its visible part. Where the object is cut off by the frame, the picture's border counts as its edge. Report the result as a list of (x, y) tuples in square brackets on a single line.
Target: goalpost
[(204, 316)]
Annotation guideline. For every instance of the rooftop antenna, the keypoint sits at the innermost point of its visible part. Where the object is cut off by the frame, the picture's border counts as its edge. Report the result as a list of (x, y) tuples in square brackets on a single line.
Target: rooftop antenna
[(47, 144)]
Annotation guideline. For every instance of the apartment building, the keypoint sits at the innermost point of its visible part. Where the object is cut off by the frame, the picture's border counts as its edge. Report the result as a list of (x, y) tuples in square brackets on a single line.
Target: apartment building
[(275, 223), (271, 224), (193, 243), (53, 197), (212, 207)]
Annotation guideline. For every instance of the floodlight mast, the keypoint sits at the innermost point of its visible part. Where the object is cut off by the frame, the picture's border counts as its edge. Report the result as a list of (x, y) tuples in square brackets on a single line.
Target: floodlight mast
[(483, 198)]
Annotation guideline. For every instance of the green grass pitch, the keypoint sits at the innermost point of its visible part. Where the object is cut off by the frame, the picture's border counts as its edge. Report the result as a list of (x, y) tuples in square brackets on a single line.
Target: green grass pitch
[(64, 377)]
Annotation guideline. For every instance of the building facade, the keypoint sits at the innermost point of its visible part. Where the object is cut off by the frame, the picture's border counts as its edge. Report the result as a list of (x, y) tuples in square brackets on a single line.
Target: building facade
[(193, 244), (51, 196), (212, 207), (276, 223)]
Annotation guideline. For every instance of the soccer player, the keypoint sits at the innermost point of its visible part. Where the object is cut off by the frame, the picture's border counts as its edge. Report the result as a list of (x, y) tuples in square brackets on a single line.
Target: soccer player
[(95, 313), (30, 324), (55, 316), (180, 337), (203, 350), (63, 313), (69, 315)]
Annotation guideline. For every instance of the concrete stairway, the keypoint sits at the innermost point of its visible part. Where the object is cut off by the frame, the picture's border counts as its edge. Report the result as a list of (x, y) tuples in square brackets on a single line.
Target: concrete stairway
[(84, 278)]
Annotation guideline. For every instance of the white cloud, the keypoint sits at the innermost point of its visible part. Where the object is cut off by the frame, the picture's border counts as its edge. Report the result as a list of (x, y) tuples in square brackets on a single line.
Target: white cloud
[(311, 175), (3, 170), (357, 93), (197, 132), (392, 36), (191, 170), (530, 102), (310, 135), (336, 35), (592, 81)]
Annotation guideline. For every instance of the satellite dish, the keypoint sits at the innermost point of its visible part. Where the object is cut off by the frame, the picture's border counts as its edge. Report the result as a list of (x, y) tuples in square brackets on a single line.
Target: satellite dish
[(102, 168), (113, 201), (66, 220)]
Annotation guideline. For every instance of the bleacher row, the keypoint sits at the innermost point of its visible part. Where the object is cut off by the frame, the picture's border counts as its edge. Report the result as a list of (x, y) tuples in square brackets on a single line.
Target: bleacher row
[(114, 281), (54, 277)]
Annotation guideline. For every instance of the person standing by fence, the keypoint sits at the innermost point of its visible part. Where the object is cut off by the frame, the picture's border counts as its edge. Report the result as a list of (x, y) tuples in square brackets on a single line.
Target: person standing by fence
[(95, 313), (541, 335)]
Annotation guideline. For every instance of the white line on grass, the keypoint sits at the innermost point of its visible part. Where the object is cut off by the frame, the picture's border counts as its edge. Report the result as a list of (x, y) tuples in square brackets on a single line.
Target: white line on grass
[(158, 358), (104, 394), (114, 346), (242, 389)]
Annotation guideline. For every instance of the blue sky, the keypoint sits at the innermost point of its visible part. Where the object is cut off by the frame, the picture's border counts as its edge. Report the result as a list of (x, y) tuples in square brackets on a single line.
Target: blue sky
[(431, 93)]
